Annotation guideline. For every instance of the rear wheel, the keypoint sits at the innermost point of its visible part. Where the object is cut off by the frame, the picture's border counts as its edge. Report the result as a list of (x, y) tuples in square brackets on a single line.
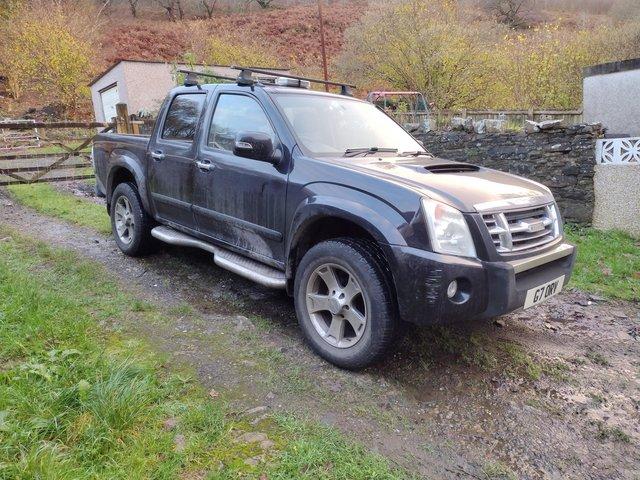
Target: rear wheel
[(345, 303), (130, 224)]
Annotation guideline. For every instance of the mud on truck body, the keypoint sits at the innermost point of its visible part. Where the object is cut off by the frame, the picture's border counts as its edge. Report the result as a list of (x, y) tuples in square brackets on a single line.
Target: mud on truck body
[(327, 197)]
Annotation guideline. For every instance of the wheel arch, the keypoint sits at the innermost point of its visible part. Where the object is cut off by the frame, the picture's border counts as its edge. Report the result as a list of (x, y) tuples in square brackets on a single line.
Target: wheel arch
[(126, 169), (316, 222)]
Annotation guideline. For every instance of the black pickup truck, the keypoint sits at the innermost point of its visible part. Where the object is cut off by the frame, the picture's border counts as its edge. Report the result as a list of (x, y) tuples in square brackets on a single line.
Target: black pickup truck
[(327, 197)]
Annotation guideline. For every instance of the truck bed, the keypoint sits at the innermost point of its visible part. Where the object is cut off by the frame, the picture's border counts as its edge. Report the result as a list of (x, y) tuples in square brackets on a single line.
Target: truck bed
[(104, 144)]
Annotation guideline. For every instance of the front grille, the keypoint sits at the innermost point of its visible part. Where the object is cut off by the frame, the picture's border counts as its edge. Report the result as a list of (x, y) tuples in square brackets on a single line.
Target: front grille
[(524, 229)]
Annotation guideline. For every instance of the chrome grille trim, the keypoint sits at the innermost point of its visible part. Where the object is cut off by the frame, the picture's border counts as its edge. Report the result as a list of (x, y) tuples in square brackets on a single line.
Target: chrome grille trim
[(524, 229)]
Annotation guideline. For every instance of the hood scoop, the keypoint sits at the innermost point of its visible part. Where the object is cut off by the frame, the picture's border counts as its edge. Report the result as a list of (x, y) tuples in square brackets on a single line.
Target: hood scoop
[(451, 168)]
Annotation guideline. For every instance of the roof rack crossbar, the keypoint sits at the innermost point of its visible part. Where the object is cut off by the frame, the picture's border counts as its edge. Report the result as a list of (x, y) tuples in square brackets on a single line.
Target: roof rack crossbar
[(204, 74), (343, 85)]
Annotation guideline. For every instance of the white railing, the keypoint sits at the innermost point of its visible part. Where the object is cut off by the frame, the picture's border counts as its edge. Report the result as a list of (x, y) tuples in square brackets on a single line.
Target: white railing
[(618, 150)]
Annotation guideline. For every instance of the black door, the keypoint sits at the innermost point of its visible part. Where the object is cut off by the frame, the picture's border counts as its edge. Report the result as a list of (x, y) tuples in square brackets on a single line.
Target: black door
[(237, 200), (171, 162)]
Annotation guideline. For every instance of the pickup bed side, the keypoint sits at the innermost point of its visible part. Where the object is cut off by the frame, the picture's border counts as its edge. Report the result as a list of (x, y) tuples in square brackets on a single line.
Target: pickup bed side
[(119, 157)]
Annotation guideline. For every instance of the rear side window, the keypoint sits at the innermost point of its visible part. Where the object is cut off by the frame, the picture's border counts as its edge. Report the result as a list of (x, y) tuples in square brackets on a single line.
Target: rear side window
[(183, 115), (233, 114)]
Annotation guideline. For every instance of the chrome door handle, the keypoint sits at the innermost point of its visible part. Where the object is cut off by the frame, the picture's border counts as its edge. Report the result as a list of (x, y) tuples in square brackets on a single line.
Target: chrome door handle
[(205, 166), (157, 156)]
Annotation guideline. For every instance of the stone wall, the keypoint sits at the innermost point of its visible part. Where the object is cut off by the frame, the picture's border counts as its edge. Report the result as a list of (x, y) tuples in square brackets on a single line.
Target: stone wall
[(563, 159)]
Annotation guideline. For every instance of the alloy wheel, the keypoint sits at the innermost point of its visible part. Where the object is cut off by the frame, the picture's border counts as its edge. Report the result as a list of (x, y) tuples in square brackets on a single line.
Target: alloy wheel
[(124, 220), (337, 305)]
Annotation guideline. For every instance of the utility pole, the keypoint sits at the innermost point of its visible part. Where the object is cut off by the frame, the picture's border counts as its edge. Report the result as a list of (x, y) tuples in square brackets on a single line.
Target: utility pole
[(324, 52)]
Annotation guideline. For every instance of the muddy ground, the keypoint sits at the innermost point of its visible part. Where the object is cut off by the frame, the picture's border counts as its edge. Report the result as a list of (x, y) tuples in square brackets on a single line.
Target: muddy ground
[(552, 392)]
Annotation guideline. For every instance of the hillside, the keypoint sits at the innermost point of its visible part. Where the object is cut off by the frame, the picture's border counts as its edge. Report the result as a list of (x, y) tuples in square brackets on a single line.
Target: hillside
[(290, 34), (461, 54)]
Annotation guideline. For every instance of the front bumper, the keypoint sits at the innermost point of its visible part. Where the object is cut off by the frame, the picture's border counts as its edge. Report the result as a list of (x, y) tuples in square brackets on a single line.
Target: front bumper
[(490, 288)]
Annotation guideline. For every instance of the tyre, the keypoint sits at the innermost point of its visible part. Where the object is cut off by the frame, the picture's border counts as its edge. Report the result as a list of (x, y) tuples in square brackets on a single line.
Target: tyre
[(130, 224), (345, 303)]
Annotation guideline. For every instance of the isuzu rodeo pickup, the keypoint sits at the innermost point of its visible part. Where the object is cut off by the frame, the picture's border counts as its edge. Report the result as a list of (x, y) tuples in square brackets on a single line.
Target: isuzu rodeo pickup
[(329, 198)]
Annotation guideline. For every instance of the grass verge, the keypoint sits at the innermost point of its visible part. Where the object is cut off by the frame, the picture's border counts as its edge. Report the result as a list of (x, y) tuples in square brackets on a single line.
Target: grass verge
[(45, 199), (78, 401), (608, 263)]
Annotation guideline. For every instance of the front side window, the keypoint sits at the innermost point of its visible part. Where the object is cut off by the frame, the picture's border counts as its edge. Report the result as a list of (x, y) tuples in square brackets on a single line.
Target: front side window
[(183, 115), (330, 126), (233, 114)]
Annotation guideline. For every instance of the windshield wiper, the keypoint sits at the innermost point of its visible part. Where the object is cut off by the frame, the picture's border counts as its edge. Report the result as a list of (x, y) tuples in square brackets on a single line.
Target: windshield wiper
[(416, 153), (352, 152)]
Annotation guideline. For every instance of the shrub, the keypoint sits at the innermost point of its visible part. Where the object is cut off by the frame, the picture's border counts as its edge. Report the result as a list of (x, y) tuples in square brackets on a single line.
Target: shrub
[(460, 59), (424, 46), (43, 54)]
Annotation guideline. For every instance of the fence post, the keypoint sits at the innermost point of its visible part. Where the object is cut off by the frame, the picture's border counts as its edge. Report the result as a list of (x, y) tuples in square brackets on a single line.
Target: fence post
[(123, 123), (530, 114)]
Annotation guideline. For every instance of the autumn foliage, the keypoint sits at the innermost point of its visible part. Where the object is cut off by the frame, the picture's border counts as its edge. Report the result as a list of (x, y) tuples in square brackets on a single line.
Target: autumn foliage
[(457, 52), (42, 54), (462, 59)]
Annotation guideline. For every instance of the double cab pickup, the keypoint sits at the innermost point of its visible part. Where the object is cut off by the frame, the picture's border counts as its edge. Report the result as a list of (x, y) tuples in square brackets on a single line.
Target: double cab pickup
[(326, 196)]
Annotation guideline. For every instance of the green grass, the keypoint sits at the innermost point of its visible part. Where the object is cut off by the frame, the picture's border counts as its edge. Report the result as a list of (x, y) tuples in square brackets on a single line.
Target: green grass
[(79, 402), (608, 263), (45, 199), (615, 434), (498, 471)]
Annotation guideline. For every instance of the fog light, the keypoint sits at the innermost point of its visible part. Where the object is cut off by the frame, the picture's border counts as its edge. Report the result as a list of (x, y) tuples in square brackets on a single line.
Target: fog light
[(452, 289)]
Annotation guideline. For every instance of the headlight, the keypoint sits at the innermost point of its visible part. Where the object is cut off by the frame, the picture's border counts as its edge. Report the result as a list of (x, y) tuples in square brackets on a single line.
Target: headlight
[(554, 215), (448, 230)]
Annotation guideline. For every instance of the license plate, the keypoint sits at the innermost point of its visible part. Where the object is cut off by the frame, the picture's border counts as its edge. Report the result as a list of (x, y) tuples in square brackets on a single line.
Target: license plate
[(540, 293)]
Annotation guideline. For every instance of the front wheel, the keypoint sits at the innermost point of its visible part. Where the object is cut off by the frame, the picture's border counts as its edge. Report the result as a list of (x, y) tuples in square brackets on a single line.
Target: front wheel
[(345, 303), (130, 224)]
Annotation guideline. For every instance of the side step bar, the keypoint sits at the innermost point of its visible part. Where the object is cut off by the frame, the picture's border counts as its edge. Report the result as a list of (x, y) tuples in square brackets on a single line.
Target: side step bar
[(238, 264)]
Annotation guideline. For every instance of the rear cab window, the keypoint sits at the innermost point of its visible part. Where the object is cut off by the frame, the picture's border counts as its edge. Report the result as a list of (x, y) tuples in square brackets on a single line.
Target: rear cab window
[(183, 116)]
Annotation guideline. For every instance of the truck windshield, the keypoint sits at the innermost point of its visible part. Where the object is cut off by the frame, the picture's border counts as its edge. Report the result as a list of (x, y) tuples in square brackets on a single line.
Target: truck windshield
[(331, 126)]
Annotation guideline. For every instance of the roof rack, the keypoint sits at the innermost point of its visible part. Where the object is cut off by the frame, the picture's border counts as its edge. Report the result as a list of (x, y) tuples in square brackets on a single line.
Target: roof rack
[(245, 78), (191, 80)]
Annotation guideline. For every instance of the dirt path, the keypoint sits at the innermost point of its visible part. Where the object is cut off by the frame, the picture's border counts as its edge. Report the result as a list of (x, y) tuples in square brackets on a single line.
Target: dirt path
[(554, 393)]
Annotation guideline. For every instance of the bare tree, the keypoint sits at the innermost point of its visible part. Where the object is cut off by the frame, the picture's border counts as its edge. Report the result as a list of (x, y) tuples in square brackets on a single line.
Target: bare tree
[(209, 7), (173, 9), (133, 6), (264, 3), (510, 12)]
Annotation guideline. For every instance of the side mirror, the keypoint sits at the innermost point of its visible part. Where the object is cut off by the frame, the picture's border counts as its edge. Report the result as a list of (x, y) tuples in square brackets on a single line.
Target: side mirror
[(254, 145)]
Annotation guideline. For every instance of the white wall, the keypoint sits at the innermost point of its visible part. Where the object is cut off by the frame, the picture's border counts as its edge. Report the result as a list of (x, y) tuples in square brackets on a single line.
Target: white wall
[(115, 75), (147, 85), (613, 99)]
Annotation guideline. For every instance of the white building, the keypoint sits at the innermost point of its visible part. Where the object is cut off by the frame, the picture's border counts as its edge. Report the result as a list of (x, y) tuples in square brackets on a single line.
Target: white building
[(612, 96), (142, 85)]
